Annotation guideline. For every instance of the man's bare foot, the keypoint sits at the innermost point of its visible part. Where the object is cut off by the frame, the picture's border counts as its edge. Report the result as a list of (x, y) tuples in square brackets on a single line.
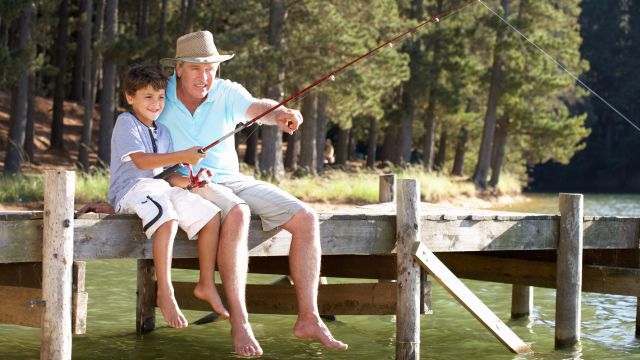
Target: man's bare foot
[(312, 328), (244, 342), (210, 295), (171, 312)]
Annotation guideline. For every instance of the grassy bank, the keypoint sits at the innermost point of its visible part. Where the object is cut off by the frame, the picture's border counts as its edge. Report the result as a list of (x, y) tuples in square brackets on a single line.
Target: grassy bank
[(353, 187)]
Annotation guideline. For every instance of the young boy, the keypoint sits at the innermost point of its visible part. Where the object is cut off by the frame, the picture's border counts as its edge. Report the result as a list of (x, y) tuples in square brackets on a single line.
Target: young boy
[(140, 149)]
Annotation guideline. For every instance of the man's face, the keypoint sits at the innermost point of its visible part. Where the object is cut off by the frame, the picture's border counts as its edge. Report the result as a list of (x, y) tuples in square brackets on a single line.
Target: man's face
[(196, 78)]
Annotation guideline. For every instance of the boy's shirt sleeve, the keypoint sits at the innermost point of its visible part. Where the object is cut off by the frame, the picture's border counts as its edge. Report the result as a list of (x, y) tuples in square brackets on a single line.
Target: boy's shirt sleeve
[(127, 138)]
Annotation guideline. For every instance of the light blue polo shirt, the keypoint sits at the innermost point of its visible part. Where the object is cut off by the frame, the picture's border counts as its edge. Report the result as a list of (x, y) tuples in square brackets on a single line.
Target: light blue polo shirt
[(225, 107)]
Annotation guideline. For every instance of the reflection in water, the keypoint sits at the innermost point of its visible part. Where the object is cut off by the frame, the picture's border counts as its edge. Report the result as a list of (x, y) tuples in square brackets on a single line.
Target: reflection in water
[(608, 322)]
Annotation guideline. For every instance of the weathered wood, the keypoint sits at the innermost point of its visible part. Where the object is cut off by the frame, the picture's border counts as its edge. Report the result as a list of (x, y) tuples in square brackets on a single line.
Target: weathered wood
[(466, 298), (21, 275), (21, 306), (521, 301), (338, 299), (425, 293), (57, 259), (120, 236), (408, 285), (145, 297), (347, 266), (387, 188), (80, 299), (569, 271), (597, 279)]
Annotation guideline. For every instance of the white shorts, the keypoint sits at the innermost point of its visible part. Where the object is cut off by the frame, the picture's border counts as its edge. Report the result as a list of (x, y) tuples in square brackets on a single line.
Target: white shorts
[(274, 205), (155, 201)]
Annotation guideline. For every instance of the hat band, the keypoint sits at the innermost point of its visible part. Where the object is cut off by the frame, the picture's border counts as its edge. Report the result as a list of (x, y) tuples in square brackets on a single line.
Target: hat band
[(196, 55)]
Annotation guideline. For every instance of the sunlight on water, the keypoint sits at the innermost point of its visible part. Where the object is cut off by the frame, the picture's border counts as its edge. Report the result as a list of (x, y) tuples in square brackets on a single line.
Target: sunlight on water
[(608, 321)]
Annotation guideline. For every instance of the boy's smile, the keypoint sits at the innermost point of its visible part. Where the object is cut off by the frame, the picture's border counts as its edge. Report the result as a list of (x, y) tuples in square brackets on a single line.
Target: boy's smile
[(147, 104)]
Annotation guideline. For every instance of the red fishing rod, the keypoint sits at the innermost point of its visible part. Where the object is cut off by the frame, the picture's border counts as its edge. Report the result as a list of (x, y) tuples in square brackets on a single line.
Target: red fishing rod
[(199, 182)]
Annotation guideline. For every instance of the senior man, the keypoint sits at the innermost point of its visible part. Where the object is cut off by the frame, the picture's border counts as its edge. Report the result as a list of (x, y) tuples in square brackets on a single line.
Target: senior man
[(199, 110)]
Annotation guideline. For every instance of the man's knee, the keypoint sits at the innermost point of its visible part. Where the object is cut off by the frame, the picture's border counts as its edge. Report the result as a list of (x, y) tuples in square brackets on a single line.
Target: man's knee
[(239, 215), (306, 217)]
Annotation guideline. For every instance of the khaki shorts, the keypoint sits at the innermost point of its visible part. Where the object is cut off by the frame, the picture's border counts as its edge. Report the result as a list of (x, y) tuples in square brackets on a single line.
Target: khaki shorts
[(156, 202), (274, 206)]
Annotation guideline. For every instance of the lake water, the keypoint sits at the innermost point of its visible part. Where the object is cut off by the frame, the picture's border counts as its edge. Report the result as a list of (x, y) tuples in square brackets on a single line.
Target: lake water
[(608, 322)]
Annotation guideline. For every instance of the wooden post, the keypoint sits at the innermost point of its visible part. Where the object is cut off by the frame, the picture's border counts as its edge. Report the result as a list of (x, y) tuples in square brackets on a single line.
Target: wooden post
[(146, 297), (387, 188), (569, 271), (57, 261), (408, 289), (521, 301)]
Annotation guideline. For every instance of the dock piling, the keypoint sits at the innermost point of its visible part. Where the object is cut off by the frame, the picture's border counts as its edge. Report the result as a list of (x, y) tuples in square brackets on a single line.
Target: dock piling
[(521, 301), (387, 188), (569, 271), (146, 297), (408, 288), (57, 261)]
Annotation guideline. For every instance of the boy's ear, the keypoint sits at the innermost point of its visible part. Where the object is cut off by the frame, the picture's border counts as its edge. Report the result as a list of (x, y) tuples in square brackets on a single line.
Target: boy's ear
[(128, 97)]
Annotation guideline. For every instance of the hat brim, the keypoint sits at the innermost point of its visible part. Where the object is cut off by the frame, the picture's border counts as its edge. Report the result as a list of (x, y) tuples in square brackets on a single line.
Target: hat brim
[(214, 59)]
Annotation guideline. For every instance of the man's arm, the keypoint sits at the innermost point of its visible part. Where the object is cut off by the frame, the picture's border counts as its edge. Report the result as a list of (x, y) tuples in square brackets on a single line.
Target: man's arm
[(148, 161), (288, 120)]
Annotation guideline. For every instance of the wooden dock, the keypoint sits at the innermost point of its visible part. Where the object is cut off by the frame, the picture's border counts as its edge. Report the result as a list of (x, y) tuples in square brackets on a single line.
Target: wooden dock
[(569, 252)]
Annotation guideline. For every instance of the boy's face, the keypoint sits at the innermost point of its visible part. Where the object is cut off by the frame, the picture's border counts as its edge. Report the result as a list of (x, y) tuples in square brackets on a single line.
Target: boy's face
[(147, 104)]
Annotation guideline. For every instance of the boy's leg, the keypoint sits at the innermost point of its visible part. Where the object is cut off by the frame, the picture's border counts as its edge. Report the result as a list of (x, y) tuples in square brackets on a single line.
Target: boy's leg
[(207, 252), (162, 255)]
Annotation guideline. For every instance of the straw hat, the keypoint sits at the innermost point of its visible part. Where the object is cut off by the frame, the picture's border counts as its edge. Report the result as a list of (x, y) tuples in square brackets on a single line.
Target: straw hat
[(196, 47)]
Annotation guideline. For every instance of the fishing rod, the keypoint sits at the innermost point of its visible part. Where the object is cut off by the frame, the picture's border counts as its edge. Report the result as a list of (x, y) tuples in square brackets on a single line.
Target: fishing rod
[(434, 19)]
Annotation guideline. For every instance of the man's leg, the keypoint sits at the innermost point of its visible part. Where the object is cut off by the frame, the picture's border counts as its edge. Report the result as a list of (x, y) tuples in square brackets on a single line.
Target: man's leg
[(207, 252), (162, 255), (304, 264), (233, 263)]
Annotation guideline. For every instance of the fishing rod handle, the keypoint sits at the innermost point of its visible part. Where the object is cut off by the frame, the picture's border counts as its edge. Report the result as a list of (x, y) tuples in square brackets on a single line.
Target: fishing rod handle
[(168, 172)]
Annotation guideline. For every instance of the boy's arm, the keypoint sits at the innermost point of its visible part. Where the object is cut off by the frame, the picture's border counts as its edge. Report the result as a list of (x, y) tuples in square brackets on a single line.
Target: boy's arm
[(148, 161)]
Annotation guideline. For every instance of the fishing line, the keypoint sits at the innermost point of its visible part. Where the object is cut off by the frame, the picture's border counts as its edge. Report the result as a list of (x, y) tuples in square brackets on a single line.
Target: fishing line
[(561, 66)]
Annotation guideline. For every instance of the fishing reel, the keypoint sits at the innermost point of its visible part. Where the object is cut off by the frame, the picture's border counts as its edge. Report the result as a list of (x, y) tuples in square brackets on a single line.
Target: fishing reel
[(200, 179)]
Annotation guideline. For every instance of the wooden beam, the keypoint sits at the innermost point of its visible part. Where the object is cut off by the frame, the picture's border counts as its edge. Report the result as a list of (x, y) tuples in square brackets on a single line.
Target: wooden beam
[(408, 271), (21, 306), (80, 299), (467, 299), (569, 271), (21, 275), (337, 299), (521, 301), (386, 188), (145, 297), (57, 260)]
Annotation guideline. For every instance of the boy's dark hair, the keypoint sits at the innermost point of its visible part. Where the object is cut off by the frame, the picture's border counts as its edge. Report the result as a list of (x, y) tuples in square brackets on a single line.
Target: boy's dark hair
[(143, 75)]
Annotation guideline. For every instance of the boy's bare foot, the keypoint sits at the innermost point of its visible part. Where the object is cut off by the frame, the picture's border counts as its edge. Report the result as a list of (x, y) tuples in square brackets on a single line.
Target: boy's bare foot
[(171, 312), (312, 328), (210, 295), (244, 342)]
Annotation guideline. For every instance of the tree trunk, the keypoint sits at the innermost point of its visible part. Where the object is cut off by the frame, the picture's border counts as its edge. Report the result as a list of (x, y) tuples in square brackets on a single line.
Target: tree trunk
[(107, 96), (321, 131), (484, 155), (143, 19), (293, 151), (351, 154), (96, 59), (85, 143), (499, 144), (342, 147), (189, 9), (20, 95), (57, 123), (29, 137), (271, 157), (162, 34), (430, 133), (77, 87), (251, 150), (441, 156), (373, 142), (308, 146), (389, 144), (461, 147)]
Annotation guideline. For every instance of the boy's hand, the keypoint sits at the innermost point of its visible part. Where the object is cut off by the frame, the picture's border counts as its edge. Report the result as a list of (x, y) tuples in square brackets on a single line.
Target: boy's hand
[(193, 155)]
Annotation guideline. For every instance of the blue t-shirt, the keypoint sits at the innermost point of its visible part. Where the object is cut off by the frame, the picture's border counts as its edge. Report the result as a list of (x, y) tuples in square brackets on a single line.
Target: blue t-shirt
[(130, 136), (225, 107)]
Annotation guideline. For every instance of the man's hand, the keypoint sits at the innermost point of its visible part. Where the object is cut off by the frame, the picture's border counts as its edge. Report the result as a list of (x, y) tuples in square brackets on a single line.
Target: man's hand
[(193, 155), (288, 120)]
